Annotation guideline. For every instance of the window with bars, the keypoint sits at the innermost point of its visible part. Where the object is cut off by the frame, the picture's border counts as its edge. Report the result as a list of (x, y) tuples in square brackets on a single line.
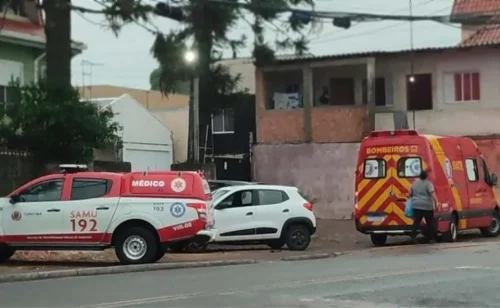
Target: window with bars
[(462, 87)]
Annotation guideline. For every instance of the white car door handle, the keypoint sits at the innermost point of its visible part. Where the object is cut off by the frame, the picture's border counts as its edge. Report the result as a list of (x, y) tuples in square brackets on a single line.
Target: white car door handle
[(102, 208), (286, 211), (53, 210), (249, 214)]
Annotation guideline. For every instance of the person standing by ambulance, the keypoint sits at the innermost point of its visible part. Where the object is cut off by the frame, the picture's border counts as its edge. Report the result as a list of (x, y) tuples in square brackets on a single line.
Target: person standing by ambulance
[(424, 202)]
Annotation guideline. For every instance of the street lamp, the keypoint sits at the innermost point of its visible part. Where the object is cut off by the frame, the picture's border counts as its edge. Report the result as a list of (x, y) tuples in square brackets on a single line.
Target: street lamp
[(190, 58)]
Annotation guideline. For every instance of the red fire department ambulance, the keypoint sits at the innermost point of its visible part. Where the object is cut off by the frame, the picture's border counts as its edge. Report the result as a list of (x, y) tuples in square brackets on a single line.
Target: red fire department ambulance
[(138, 214), (389, 161)]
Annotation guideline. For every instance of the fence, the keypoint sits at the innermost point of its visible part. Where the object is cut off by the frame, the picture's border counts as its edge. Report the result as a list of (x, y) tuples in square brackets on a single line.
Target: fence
[(18, 168)]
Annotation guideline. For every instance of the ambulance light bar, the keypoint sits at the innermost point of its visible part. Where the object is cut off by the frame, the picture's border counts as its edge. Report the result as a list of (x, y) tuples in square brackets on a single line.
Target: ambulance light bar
[(399, 132), (73, 168)]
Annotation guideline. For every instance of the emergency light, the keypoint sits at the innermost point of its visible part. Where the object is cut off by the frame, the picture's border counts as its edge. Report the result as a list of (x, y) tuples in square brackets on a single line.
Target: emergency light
[(73, 168)]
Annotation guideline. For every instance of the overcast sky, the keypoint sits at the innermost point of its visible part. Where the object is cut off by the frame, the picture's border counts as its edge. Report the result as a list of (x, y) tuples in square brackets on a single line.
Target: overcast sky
[(126, 60)]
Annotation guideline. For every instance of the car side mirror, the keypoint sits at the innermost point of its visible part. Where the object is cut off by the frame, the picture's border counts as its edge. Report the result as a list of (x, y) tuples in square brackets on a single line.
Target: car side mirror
[(221, 206), (494, 179), (14, 199)]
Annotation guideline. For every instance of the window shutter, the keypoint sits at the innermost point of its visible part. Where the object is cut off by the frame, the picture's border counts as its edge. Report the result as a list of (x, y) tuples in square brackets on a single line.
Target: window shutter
[(476, 92), (458, 87), (467, 87)]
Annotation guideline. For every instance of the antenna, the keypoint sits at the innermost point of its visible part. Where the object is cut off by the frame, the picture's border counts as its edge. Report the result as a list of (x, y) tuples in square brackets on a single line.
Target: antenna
[(85, 73)]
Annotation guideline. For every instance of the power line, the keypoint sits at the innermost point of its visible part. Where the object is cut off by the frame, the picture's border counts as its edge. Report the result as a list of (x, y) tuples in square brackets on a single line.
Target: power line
[(398, 24)]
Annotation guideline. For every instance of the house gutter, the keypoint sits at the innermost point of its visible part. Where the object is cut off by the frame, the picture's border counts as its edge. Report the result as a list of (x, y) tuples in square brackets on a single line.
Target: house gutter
[(36, 63)]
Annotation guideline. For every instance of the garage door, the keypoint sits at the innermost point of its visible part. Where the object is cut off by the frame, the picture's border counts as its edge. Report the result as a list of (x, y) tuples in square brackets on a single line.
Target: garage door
[(144, 160)]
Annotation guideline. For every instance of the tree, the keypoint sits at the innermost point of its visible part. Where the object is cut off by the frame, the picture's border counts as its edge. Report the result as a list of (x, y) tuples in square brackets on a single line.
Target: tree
[(182, 87), (208, 24), (55, 126)]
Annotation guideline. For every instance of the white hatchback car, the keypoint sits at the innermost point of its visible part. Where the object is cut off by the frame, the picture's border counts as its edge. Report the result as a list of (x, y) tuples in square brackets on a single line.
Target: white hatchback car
[(268, 214)]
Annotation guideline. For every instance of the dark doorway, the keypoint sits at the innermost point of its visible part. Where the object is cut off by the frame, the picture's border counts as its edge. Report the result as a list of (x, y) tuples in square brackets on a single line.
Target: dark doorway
[(342, 91), (419, 92), (232, 169)]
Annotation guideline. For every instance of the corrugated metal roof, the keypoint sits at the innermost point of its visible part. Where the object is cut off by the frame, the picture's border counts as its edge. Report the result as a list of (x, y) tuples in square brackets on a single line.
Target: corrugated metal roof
[(376, 53)]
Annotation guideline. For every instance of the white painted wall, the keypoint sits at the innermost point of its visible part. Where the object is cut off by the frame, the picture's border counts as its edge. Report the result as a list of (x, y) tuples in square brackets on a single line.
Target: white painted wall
[(448, 118), (147, 143)]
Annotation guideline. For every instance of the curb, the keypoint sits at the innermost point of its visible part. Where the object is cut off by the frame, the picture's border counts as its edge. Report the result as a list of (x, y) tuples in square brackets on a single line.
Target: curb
[(315, 256), (118, 270)]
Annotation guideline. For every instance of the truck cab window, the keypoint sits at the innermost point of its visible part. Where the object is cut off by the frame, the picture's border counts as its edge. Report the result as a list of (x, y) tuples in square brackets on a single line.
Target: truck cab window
[(472, 171), (487, 175), (43, 192), (82, 189)]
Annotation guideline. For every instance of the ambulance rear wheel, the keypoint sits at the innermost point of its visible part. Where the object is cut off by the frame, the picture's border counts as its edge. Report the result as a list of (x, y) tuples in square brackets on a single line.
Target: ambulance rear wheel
[(493, 230), (136, 245), (378, 239), (5, 253)]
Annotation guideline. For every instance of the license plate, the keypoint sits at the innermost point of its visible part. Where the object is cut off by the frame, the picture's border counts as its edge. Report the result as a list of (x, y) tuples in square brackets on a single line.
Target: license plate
[(376, 218)]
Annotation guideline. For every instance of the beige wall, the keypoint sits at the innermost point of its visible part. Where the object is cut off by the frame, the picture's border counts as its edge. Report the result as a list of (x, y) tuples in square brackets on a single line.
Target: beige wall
[(244, 67), (150, 99), (468, 30), (177, 119), (172, 111)]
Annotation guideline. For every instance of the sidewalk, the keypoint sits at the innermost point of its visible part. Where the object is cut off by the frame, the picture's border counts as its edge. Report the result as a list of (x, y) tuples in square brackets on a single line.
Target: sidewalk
[(332, 236)]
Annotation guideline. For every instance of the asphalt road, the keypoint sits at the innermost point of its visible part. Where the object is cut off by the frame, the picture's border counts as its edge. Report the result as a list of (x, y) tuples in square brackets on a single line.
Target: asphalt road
[(411, 277)]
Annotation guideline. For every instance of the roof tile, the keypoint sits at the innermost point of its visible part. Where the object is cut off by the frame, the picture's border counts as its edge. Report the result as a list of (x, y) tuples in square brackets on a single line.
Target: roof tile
[(488, 34), (475, 6), (22, 27)]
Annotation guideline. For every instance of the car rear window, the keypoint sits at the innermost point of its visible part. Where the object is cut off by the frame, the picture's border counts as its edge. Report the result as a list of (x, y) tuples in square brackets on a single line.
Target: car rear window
[(374, 168)]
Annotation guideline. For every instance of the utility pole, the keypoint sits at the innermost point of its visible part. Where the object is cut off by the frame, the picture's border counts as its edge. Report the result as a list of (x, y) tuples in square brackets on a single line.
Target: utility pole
[(85, 64), (196, 119)]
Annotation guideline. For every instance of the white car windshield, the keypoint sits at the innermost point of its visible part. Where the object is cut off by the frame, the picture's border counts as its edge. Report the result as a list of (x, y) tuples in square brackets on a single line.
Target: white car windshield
[(217, 194)]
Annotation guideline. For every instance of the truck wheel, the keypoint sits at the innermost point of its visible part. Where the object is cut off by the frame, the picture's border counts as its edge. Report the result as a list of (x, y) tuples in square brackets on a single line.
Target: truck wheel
[(298, 238), (451, 235), (160, 253), (136, 246), (5, 253), (378, 239), (493, 230), (276, 244)]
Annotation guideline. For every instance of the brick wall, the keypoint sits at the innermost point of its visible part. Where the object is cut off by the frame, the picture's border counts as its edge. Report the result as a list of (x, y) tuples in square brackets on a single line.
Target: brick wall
[(324, 172), (328, 123)]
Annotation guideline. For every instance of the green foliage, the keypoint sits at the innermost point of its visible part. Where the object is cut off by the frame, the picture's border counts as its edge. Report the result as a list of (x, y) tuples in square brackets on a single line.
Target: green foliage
[(55, 126), (180, 87), (208, 25)]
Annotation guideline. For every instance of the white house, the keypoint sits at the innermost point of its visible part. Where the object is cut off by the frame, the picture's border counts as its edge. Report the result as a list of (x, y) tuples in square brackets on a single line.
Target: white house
[(147, 143)]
